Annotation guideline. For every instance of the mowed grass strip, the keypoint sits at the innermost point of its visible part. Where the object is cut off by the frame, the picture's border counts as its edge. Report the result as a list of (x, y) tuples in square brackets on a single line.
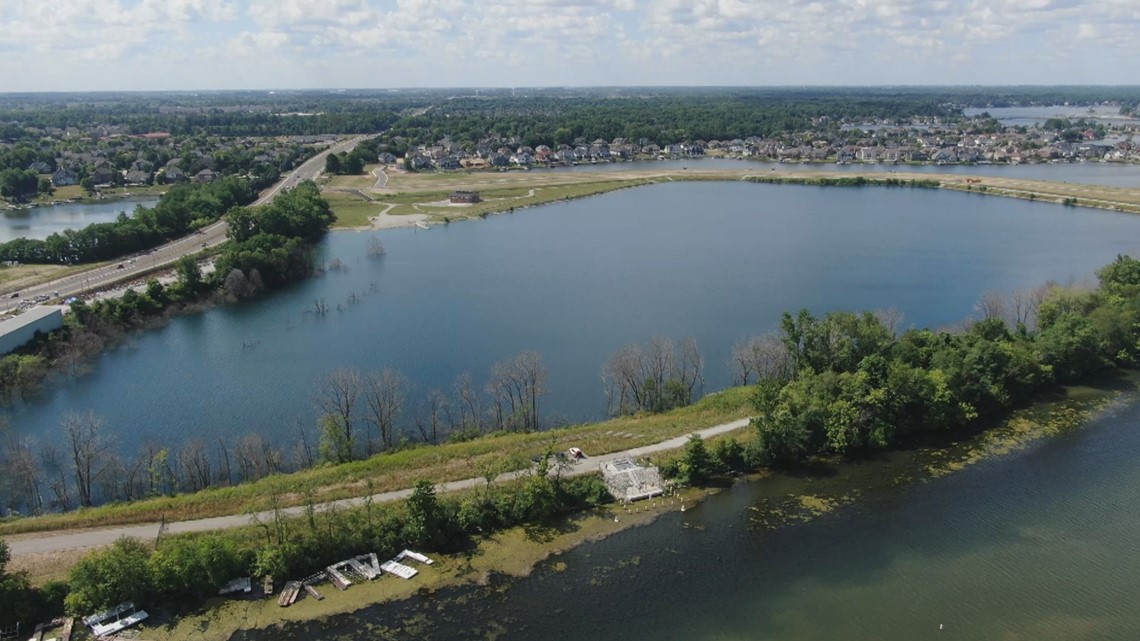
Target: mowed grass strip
[(490, 454)]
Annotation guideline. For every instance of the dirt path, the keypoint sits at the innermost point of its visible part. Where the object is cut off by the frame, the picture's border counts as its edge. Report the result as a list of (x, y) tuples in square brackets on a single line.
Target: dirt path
[(46, 543)]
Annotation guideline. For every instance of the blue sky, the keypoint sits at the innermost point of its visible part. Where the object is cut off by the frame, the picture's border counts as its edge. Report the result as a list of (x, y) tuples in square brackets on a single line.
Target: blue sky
[(74, 45)]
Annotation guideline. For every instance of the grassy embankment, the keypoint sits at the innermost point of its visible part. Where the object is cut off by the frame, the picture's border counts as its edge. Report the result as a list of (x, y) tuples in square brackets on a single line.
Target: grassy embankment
[(494, 453), (826, 485), (355, 200)]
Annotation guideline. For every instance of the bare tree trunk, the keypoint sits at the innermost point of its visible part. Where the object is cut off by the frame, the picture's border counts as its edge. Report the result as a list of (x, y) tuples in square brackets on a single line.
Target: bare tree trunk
[(470, 407), (337, 398), (224, 462), (88, 442), (691, 368), (50, 458), (385, 392)]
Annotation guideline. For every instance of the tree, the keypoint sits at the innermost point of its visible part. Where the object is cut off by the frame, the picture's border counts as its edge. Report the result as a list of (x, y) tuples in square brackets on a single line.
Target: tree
[(332, 164), (696, 465), (337, 398), (384, 394), (425, 524), (88, 443), (106, 578), (189, 274)]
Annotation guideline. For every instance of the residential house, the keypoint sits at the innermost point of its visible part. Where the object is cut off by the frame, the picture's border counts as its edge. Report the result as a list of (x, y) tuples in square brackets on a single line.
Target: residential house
[(173, 174), (40, 167), (64, 178), (205, 176)]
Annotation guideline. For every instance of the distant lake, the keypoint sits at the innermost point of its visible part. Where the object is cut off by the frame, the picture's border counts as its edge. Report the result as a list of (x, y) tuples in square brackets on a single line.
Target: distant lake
[(1030, 116), (576, 281), (45, 220), (1098, 173)]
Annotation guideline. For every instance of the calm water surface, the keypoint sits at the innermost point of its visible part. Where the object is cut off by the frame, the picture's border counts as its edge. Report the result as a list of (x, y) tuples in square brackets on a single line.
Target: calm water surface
[(45, 220), (1038, 545), (577, 281)]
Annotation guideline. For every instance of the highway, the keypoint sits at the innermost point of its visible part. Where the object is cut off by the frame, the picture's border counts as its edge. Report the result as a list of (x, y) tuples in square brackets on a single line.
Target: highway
[(48, 542), (165, 255)]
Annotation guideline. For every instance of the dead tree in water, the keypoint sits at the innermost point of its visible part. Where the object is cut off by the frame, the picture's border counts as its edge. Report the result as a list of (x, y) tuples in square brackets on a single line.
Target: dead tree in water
[(320, 307), (384, 392), (375, 248), (88, 443)]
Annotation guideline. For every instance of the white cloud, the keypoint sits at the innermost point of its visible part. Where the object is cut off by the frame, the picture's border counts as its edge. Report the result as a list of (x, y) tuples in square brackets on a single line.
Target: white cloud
[(545, 42)]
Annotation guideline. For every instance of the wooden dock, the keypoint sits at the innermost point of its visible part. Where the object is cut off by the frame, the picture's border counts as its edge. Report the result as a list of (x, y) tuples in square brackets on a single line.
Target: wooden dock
[(313, 592), (289, 594), (336, 578)]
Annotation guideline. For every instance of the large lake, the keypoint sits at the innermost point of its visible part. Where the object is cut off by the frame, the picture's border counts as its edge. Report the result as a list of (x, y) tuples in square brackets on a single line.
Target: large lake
[(45, 220), (1038, 545), (576, 281)]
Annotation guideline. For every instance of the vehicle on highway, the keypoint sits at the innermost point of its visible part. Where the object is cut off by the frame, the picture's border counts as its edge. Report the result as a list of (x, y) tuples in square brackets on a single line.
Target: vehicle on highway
[(15, 295), (120, 266)]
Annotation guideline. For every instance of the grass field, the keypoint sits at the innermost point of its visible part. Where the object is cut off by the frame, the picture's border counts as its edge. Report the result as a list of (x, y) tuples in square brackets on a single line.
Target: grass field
[(355, 200), (491, 454)]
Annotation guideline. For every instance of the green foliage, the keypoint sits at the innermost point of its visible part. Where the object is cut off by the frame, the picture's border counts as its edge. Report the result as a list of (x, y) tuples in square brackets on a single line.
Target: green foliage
[(194, 567), (180, 210), (21, 603), (108, 577), (696, 464)]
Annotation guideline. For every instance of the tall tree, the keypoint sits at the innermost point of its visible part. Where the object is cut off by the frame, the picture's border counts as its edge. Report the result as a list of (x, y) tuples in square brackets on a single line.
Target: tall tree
[(88, 443)]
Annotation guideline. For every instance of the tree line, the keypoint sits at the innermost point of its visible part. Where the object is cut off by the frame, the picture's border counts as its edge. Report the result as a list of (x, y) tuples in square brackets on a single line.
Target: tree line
[(180, 571), (181, 210)]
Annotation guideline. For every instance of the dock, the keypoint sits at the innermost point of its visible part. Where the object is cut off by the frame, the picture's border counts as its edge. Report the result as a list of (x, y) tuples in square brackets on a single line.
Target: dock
[(336, 578), (289, 594), (399, 569), (313, 592), (115, 620)]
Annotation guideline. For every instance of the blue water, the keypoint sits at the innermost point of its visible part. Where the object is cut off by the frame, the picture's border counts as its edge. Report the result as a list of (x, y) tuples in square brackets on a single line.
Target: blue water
[(45, 220), (576, 281)]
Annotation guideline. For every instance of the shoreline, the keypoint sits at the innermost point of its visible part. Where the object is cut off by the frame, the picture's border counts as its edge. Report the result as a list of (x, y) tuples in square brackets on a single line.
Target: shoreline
[(514, 554), (550, 187)]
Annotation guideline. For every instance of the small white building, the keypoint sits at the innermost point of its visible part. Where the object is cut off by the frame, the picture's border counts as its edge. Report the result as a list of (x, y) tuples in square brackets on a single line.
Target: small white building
[(18, 330)]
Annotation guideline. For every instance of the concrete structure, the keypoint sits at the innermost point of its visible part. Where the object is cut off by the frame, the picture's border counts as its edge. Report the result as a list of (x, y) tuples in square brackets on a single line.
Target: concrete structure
[(628, 481), (18, 330)]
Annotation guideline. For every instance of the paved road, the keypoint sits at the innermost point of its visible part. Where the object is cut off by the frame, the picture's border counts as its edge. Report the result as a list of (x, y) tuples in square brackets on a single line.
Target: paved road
[(45, 542), (167, 254)]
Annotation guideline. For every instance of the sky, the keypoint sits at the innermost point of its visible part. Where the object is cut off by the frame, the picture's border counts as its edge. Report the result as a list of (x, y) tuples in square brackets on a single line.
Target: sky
[(87, 45)]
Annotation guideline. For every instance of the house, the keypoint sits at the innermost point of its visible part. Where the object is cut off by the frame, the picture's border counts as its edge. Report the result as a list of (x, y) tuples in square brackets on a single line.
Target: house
[(136, 177), (386, 158), (447, 162), (500, 160), (103, 176), (173, 174), (40, 167), (64, 178), (465, 198), (205, 176)]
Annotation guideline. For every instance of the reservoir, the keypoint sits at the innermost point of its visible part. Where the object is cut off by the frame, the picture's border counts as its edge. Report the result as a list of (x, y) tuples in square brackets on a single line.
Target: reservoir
[(577, 281), (1038, 544), (45, 220)]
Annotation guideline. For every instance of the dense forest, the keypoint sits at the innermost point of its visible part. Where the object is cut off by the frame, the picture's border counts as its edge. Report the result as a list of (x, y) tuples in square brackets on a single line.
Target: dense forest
[(536, 116)]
